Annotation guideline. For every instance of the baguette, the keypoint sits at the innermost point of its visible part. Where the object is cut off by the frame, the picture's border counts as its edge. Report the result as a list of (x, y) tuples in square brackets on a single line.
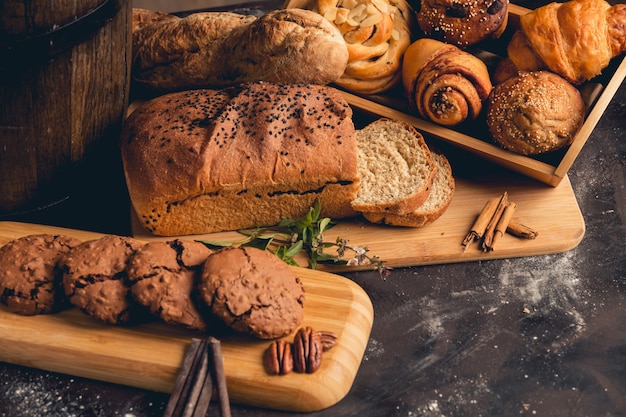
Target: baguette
[(204, 161), (221, 49)]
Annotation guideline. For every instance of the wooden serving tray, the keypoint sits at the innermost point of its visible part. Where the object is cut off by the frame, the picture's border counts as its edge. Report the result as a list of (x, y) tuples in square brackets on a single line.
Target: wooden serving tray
[(549, 168), (149, 356), (552, 211)]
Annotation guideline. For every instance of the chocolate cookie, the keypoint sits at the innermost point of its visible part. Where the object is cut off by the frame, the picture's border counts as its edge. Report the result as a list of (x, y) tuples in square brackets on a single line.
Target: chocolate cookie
[(253, 291), (30, 282), (163, 276), (94, 278)]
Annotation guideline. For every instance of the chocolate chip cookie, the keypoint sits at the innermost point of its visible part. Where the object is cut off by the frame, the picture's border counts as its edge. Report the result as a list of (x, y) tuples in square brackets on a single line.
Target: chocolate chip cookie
[(253, 291), (30, 282), (163, 276), (95, 279)]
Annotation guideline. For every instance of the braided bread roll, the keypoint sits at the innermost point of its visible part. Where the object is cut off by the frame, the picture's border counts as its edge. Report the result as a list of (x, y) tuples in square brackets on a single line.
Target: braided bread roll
[(444, 83), (376, 32), (575, 39)]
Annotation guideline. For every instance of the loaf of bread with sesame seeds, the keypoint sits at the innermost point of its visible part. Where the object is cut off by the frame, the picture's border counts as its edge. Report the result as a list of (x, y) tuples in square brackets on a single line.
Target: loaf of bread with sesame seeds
[(221, 49), (203, 161)]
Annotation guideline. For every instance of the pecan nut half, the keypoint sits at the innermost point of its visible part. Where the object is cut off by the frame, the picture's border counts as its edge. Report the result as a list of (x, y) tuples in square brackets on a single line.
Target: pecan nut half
[(307, 350), (328, 339), (278, 358)]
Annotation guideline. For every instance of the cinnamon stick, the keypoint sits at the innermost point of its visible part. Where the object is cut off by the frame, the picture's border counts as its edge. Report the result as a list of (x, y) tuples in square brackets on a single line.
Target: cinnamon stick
[(184, 382), (197, 405), (493, 222), (502, 224), (220, 376), (518, 229), (482, 221), (202, 369)]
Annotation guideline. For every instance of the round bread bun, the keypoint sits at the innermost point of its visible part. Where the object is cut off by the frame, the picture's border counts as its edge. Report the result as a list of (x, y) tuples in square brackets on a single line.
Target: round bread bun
[(463, 22), (534, 112), (252, 291)]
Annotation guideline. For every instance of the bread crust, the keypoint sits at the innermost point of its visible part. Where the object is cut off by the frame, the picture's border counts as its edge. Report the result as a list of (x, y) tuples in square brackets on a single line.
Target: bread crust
[(210, 160)]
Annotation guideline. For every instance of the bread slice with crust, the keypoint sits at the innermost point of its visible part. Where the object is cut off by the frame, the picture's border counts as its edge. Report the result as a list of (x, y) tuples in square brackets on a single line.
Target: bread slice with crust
[(395, 166), (436, 204)]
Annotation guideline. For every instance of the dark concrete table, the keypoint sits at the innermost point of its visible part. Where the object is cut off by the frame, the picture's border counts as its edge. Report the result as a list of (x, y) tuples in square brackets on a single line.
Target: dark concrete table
[(542, 335)]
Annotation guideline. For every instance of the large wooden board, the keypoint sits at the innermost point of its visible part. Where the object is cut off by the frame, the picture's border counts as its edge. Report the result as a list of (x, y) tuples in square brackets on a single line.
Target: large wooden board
[(149, 355), (552, 211)]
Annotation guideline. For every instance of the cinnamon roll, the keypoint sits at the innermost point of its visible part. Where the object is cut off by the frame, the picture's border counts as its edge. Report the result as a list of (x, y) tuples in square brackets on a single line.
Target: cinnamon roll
[(444, 83)]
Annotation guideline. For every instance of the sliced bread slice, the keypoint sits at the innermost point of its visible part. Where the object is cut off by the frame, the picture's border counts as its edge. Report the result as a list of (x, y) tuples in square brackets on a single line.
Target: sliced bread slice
[(395, 166), (435, 205)]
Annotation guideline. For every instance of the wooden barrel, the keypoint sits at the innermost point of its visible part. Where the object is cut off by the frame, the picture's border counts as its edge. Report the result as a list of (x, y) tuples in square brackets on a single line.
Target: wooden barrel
[(64, 87)]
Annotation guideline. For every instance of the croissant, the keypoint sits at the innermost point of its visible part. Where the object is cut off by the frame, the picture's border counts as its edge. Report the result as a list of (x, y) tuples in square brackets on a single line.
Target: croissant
[(377, 32), (575, 39), (444, 83)]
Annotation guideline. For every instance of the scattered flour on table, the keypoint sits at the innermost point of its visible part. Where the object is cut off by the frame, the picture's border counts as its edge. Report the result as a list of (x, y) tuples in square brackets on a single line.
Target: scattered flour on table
[(547, 282), (32, 398), (46, 395)]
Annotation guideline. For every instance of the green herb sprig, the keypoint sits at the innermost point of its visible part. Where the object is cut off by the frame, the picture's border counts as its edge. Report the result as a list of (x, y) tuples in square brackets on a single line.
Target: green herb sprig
[(291, 237)]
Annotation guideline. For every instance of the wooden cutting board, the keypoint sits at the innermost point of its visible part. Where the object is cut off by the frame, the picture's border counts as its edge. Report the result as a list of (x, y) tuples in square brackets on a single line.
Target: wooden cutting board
[(551, 211), (149, 356)]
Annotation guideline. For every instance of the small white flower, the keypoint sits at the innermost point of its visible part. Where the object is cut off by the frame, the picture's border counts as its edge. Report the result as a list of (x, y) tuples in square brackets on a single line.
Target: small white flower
[(353, 262), (359, 251)]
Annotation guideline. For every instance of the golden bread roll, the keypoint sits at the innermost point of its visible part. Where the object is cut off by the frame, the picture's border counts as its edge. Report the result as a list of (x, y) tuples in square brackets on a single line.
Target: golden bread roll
[(463, 22), (444, 83), (534, 113), (376, 32), (576, 39)]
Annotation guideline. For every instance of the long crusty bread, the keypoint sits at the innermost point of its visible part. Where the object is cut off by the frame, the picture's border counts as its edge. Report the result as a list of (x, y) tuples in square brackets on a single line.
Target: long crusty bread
[(436, 204), (395, 166), (220, 49), (203, 161)]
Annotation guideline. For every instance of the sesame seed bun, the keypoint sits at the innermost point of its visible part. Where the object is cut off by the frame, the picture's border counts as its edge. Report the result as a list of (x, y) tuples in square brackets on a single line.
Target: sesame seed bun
[(534, 113)]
